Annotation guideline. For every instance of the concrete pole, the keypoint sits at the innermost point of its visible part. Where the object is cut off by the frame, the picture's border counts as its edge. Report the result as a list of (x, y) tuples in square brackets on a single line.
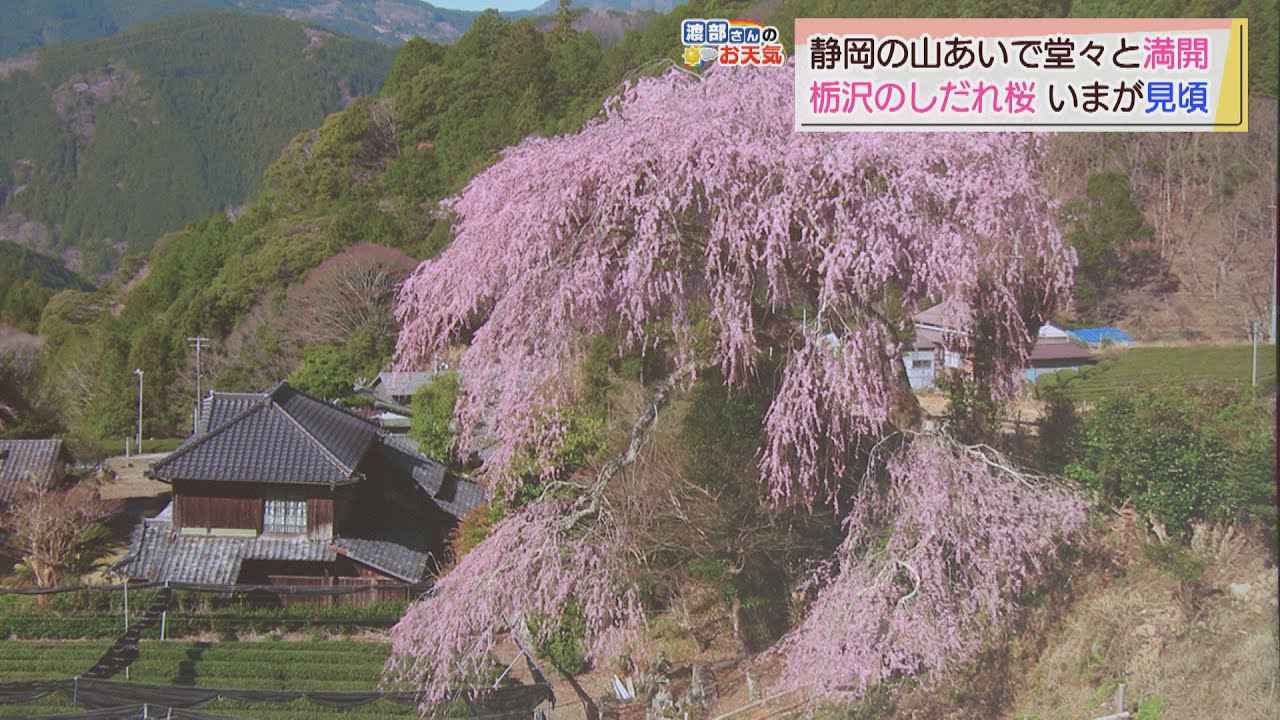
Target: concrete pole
[(1255, 329), (1273, 296), (138, 372)]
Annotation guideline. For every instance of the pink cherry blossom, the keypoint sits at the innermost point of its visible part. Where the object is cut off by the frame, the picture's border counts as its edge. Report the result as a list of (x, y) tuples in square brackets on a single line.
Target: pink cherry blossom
[(691, 210), (936, 553), (690, 199), (531, 568)]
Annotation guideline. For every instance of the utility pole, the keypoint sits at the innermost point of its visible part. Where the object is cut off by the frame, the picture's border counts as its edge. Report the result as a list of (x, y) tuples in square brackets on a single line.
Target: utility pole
[(138, 372), (1273, 295), (1255, 331), (198, 342)]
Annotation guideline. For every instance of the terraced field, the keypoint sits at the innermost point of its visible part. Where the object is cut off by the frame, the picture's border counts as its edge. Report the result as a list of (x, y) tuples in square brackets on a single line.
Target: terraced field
[(338, 665), (1127, 370)]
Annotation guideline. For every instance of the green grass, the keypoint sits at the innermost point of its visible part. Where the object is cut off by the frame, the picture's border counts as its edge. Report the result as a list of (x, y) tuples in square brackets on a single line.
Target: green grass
[(1127, 370), (92, 615), (341, 666), (296, 710), (91, 450)]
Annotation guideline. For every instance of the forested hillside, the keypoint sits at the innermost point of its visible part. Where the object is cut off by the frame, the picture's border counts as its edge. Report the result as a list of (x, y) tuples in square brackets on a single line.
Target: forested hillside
[(370, 174), (33, 24), (27, 281), (37, 23), (105, 146), (376, 172), (674, 328)]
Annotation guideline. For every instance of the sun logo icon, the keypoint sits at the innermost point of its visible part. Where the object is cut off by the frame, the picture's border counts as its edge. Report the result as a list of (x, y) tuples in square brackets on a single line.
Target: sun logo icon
[(692, 56)]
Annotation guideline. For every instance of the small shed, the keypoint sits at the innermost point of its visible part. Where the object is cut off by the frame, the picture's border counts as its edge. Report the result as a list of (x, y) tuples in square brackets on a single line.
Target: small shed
[(399, 387), (1052, 333), (1049, 358)]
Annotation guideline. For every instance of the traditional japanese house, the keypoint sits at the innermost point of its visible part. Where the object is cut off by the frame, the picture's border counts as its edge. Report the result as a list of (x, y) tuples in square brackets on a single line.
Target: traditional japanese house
[(282, 488), (390, 397), (933, 349), (24, 463)]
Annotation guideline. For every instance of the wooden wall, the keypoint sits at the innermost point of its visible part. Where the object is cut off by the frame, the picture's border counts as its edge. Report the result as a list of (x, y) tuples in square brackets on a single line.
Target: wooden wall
[(320, 518), (218, 512), (233, 505)]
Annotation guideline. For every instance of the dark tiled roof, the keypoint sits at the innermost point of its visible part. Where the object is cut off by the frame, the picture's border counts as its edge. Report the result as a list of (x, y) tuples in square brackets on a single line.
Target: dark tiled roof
[(20, 459), (158, 552), (397, 545), (458, 496), (455, 495), (282, 436), (219, 407), (410, 563), (392, 384)]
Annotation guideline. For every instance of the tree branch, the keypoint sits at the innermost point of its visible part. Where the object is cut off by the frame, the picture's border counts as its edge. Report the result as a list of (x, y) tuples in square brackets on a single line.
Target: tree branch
[(589, 504)]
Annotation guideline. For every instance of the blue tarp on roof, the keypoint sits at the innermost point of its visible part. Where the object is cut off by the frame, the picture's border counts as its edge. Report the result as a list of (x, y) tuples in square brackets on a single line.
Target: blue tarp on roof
[(1099, 335)]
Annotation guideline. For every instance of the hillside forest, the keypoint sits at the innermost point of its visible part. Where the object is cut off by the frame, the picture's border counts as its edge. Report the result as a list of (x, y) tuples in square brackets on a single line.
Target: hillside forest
[(107, 146), (670, 401), (1146, 213)]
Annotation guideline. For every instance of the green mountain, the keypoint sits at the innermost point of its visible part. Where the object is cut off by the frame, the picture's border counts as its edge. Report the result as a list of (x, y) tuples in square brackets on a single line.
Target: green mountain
[(31, 24), (27, 281), (374, 174), (106, 146)]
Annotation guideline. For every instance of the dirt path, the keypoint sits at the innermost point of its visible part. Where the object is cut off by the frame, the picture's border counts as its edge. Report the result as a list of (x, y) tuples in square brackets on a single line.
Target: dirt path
[(129, 480)]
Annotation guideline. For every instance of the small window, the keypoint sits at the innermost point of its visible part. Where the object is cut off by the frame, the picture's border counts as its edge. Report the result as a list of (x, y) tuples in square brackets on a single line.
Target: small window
[(921, 364), (284, 516)]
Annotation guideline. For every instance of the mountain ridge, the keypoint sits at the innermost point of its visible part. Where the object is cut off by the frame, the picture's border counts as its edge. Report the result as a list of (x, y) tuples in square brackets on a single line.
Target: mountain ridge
[(40, 23), (107, 145)]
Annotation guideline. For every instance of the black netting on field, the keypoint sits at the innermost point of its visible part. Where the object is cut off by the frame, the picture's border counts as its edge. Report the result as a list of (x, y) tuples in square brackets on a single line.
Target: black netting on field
[(94, 611), (117, 697), (418, 588), (134, 712)]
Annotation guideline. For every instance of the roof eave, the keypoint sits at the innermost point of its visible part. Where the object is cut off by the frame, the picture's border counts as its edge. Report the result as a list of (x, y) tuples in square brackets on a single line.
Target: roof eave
[(353, 480), (344, 553)]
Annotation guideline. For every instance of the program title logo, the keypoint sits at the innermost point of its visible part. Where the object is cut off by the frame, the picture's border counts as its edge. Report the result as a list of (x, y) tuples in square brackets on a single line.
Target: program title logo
[(729, 42)]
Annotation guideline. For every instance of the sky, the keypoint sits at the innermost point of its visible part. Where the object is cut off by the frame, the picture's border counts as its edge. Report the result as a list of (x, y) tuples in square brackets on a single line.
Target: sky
[(485, 4)]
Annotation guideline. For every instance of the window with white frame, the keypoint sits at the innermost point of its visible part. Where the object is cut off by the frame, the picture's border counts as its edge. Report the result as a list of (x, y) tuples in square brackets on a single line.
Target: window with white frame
[(284, 516)]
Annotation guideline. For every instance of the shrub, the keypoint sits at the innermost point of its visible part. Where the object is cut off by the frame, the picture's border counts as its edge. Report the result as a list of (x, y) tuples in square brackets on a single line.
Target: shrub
[(472, 530), (1180, 455), (432, 415), (1060, 430), (563, 646)]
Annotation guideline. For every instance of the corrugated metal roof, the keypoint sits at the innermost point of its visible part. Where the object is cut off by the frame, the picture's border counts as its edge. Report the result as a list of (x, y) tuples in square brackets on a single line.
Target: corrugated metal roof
[(21, 459)]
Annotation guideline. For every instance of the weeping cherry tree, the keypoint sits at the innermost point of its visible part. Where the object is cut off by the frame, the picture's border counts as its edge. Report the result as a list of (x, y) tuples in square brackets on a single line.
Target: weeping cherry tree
[(690, 218)]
